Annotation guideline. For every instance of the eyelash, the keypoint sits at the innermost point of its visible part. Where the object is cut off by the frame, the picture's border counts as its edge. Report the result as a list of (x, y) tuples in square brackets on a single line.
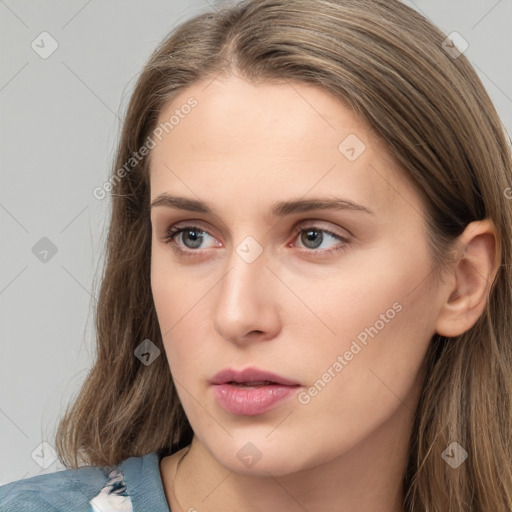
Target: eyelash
[(174, 231)]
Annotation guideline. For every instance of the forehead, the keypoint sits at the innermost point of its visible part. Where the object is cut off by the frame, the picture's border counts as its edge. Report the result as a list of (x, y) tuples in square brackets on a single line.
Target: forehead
[(253, 142), (246, 116)]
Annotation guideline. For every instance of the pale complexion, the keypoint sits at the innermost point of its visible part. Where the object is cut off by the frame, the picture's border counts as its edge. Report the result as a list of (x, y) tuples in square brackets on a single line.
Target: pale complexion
[(296, 307)]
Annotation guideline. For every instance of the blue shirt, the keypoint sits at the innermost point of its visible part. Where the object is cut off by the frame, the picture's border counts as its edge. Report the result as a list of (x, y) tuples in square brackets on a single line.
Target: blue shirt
[(134, 485)]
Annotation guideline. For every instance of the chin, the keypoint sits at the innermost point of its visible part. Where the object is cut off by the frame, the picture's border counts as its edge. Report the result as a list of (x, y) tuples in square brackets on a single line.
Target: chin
[(275, 466), (261, 458)]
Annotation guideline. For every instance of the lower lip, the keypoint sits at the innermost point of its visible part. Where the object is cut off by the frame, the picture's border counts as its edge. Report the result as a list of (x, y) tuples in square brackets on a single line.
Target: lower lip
[(251, 401)]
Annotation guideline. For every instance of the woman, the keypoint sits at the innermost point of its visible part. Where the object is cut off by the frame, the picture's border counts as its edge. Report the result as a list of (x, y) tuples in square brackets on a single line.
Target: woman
[(306, 300)]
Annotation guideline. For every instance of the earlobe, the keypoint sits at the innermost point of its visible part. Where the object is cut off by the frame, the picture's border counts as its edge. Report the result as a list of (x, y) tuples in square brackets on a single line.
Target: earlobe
[(466, 294)]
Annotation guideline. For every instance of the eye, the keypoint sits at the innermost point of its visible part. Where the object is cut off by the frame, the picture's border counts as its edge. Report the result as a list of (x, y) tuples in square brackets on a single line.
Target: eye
[(191, 237), (187, 240), (314, 237)]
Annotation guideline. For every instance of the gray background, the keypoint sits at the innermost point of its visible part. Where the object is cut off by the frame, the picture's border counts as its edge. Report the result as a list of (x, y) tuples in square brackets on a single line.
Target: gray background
[(60, 120)]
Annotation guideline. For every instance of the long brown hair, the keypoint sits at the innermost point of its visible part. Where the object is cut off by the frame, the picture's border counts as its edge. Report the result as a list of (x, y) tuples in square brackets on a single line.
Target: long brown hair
[(389, 64)]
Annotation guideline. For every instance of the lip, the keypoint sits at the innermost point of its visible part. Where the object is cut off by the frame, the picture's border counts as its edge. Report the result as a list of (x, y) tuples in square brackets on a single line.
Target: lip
[(250, 374), (270, 390)]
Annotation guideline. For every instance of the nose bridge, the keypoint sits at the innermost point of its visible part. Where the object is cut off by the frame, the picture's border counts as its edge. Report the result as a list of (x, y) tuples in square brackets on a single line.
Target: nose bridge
[(245, 301), (244, 280)]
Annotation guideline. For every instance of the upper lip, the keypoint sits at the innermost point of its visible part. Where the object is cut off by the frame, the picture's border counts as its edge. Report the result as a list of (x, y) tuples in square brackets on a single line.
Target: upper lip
[(248, 375)]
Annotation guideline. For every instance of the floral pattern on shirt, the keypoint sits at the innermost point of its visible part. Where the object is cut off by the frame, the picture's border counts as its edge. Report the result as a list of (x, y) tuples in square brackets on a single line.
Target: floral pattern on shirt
[(113, 497)]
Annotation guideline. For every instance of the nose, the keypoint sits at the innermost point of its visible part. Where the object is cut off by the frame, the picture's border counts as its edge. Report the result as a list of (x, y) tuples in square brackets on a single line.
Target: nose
[(247, 308)]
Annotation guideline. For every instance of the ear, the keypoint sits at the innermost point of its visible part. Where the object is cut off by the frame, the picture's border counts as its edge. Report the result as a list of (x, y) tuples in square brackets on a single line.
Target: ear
[(476, 264)]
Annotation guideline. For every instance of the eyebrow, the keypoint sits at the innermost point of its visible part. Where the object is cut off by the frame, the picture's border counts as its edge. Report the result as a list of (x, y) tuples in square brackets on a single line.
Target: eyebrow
[(279, 209)]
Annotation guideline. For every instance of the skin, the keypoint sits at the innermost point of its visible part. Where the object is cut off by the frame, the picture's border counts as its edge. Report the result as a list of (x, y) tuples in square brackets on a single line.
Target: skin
[(297, 307)]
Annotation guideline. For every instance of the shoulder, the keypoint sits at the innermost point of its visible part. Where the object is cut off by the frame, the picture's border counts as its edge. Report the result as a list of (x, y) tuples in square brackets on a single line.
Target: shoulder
[(135, 481), (69, 489)]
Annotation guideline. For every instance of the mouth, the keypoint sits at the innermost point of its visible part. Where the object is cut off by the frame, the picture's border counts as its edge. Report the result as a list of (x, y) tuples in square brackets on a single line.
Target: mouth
[(252, 385), (251, 391), (252, 377)]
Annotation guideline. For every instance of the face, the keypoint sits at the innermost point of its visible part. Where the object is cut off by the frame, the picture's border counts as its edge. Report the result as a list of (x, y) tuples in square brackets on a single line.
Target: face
[(297, 254)]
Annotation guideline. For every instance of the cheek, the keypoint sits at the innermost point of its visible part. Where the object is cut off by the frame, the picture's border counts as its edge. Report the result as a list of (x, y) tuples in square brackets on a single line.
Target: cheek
[(382, 288), (383, 327), (174, 292), (179, 304)]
